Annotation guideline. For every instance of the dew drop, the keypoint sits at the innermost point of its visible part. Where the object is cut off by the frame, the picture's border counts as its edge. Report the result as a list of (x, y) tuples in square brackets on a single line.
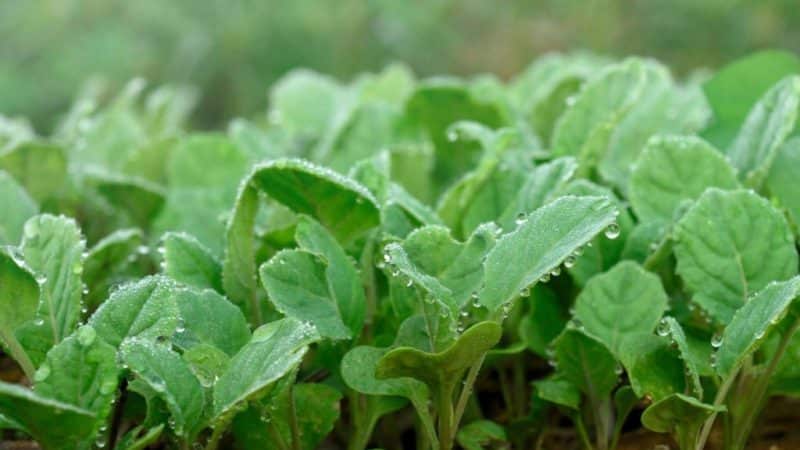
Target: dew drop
[(545, 278), (759, 334), (86, 336), (38, 321), (577, 252), (42, 373), (716, 340), (464, 313), (142, 249), (41, 279), (409, 282), (181, 327), (612, 231), (520, 218), (569, 261), (556, 271), (663, 327), (526, 292), (452, 135), (618, 369)]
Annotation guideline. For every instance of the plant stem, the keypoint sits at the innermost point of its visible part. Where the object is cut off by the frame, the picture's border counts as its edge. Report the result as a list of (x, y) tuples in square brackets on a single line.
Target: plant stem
[(579, 425), (368, 280), (466, 391), (718, 401), (19, 354), (444, 407), (293, 420), (216, 435), (741, 428)]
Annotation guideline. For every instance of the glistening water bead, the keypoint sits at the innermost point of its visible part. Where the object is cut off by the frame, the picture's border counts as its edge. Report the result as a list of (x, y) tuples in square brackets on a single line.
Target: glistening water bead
[(612, 231)]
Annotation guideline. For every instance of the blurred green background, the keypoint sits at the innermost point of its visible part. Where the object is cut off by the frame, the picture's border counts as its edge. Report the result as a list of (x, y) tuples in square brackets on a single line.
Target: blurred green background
[(232, 50)]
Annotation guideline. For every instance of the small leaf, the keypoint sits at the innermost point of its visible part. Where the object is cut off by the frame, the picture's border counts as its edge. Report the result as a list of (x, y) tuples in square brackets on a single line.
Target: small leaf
[(548, 236), (751, 324), (586, 363), (622, 301), (145, 309), (544, 322), (445, 367), (273, 351), (304, 102), (479, 434), (39, 166), (678, 339), (169, 376), (729, 245), (679, 414), (559, 391), (53, 424), (206, 317), (190, 262), (673, 169), (768, 125), (652, 367)]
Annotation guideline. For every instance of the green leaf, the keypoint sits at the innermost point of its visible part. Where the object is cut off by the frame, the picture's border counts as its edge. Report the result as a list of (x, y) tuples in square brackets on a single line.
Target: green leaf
[(368, 128), (203, 172), (479, 434), (446, 269), (679, 414), (782, 180), (751, 324), (316, 408), (653, 368), (19, 299), (81, 371), (731, 103), (169, 376), (673, 169), (585, 128), (586, 363), (53, 424), (768, 125), (344, 207), (135, 199), (729, 245), (144, 309), (548, 236), (111, 261), (273, 351), (445, 367), (622, 301), (39, 166), (188, 261), (53, 247), (559, 391), (434, 106), (545, 320), (19, 207), (670, 326), (206, 317), (304, 102)]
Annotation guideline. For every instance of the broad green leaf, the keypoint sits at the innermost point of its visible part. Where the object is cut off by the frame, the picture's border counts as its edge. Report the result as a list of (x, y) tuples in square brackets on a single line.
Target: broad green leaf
[(317, 409), (768, 125), (304, 102), (19, 299), (559, 391), (273, 351), (679, 414), (137, 199), (731, 103), (652, 367), (112, 261), (344, 207), (729, 245), (368, 128), (144, 309), (39, 166), (782, 180), (53, 424), (53, 247), (479, 434), (585, 128), (206, 361), (673, 169), (203, 172), (751, 324), (434, 106), (663, 107), (188, 261), (108, 140), (169, 376), (81, 371), (18, 208), (444, 268), (342, 276), (620, 302), (599, 254), (547, 237), (586, 363), (297, 285), (206, 317), (445, 367)]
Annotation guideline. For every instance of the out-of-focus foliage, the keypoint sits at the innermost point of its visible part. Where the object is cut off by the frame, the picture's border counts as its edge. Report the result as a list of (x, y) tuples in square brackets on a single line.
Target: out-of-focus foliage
[(232, 50)]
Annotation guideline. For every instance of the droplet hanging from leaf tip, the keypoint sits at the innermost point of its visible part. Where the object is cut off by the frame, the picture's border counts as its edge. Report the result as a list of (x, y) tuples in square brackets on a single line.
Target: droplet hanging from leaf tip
[(663, 327), (612, 231)]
